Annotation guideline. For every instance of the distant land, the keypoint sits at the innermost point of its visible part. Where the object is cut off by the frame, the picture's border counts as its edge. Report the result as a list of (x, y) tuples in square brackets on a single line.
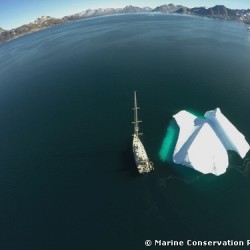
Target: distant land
[(218, 11)]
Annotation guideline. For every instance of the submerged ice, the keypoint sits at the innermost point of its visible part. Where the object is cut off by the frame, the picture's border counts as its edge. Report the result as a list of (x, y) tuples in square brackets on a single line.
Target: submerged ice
[(203, 143)]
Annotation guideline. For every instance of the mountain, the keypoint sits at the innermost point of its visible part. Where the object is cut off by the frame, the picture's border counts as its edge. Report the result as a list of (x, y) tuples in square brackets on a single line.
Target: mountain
[(221, 12), (183, 10), (39, 24), (107, 11), (167, 8), (90, 13), (133, 9), (218, 11), (246, 16)]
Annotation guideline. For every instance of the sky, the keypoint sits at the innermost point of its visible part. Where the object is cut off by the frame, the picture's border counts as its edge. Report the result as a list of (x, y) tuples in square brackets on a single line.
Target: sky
[(14, 13)]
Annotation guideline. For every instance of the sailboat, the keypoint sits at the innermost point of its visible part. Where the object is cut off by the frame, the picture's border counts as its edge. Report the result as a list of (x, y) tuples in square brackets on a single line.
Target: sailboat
[(144, 165)]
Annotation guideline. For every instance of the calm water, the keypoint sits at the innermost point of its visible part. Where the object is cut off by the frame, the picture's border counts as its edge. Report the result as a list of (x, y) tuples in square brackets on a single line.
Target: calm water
[(67, 175)]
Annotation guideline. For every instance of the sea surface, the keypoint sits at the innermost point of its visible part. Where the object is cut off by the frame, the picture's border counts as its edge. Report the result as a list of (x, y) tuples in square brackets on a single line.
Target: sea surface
[(67, 175)]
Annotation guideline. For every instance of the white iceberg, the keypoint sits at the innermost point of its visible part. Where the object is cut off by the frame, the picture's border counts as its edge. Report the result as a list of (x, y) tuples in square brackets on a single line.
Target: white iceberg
[(231, 138), (203, 143)]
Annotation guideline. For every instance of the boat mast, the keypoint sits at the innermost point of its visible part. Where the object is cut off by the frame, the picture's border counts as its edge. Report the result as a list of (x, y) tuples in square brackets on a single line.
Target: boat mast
[(136, 122)]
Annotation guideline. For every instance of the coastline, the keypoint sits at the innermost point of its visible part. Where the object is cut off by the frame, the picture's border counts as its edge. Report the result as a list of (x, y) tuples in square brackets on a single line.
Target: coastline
[(44, 22)]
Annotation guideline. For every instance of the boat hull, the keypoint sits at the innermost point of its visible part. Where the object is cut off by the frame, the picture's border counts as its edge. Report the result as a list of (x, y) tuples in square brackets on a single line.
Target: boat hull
[(144, 165)]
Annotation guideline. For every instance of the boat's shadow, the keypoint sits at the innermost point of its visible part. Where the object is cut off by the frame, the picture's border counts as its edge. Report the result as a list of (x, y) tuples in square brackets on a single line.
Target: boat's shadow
[(128, 164)]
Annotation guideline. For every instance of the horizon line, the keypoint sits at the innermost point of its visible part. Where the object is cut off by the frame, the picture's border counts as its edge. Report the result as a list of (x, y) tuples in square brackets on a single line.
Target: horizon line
[(115, 8)]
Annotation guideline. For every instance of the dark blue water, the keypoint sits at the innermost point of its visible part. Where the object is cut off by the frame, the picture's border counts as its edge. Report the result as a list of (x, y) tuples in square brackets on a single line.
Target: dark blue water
[(67, 175)]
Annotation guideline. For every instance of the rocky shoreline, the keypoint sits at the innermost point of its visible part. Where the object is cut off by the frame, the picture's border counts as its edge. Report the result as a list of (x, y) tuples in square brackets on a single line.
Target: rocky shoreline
[(218, 11)]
